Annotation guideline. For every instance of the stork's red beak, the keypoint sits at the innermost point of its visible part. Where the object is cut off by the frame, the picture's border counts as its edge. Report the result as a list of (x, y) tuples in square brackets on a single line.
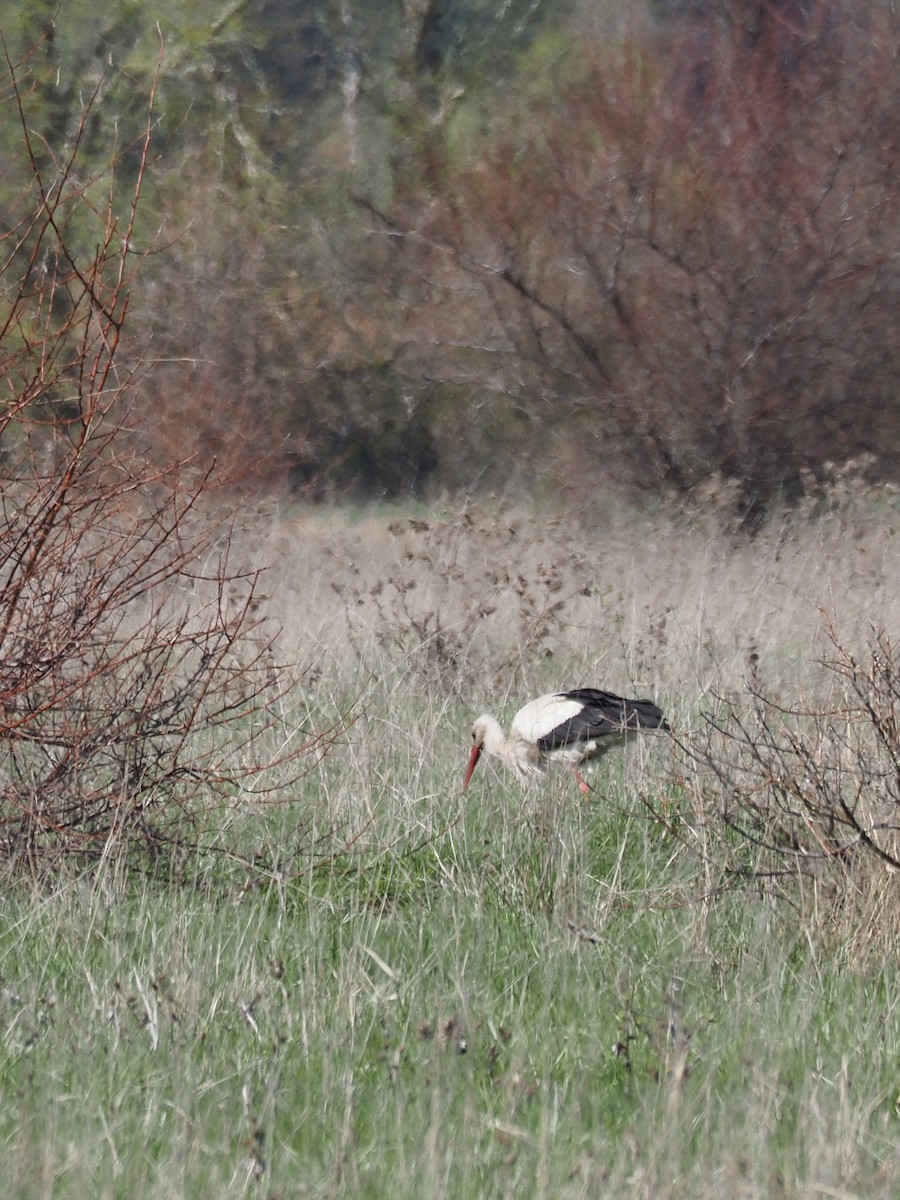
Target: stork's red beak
[(473, 759)]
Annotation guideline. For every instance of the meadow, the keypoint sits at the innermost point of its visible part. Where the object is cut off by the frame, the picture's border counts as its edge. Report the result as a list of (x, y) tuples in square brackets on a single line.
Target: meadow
[(371, 985)]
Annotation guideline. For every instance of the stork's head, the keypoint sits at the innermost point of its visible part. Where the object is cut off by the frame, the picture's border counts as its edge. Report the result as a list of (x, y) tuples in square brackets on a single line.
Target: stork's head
[(487, 736)]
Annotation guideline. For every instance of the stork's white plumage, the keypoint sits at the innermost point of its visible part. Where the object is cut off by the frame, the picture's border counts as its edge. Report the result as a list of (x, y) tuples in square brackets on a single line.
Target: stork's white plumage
[(567, 727)]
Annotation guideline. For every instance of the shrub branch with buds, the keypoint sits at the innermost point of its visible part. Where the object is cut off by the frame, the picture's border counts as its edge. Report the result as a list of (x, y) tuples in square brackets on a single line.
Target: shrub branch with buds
[(137, 682)]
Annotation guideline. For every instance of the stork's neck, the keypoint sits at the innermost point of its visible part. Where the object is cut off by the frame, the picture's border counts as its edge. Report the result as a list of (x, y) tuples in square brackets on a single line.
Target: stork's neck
[(510, 750)]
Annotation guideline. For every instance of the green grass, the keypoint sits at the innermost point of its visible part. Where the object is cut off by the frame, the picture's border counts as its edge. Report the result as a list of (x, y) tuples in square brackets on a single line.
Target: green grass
[(532, 1003), (380, 988)]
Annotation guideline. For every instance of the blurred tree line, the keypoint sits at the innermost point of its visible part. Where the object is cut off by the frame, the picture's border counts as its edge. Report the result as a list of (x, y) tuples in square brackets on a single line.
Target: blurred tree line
[(439, 244)]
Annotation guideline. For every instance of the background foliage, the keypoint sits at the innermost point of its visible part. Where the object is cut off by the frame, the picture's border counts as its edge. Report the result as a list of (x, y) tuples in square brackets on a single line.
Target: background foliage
[(430, 245)]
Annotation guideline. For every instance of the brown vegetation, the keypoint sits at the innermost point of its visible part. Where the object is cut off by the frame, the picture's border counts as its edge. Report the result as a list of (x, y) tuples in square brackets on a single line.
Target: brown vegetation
[(680, 261), (657, 247), (136, 678)]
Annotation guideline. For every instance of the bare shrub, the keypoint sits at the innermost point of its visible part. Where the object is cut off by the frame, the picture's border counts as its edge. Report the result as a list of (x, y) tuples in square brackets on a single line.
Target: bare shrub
[(136, 680), (680, 260), (810, 791)]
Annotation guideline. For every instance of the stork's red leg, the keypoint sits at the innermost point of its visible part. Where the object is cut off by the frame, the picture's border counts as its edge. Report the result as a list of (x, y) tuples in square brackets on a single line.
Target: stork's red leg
[(583, 786)]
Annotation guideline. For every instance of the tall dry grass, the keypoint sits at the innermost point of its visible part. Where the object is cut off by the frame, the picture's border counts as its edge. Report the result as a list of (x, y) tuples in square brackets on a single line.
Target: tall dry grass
[(490, 603), (471, 607)]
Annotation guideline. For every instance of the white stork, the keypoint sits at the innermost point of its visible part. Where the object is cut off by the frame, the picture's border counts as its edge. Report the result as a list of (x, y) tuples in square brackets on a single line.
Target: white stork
[(568, 727)]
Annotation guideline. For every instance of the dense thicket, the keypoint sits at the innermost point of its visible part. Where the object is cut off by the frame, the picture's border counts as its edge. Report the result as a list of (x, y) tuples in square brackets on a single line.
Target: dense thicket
[(444, 244)]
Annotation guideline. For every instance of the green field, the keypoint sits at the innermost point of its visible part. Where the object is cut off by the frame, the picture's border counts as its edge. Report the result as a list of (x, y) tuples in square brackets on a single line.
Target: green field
[(372, 986)]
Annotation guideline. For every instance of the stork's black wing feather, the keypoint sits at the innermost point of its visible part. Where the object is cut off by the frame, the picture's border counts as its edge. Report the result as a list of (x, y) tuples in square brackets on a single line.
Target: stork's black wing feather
[(602, 714)]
